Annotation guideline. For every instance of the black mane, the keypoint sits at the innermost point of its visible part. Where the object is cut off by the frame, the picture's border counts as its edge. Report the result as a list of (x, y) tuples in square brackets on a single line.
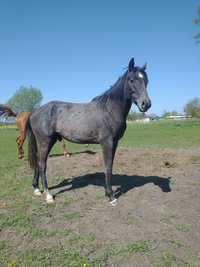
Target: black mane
[(115, 92)]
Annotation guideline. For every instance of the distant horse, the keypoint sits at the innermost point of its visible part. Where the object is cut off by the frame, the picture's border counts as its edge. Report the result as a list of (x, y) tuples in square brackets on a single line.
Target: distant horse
[(101, 121), (21, 122)]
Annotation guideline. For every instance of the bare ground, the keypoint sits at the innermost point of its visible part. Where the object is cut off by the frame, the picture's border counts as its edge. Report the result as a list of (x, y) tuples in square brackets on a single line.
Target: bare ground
[(156, 221)]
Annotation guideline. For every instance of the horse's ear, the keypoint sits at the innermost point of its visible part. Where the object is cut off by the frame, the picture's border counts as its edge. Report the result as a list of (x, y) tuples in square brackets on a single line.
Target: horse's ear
[(131, 64), (145, 66)]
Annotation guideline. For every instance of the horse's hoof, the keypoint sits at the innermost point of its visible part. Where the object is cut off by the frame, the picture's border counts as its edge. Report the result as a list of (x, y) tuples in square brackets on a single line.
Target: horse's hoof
[(113, 202), (67, 155), (37, 192), (49, 198), (50, 201)]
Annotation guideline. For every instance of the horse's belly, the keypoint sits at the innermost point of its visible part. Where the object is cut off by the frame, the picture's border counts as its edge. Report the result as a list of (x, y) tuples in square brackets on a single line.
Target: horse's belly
[(80, 138), (79, 133)]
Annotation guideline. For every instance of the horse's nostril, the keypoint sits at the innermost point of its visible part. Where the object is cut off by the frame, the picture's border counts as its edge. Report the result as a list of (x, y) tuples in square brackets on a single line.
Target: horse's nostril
[(143, 104)]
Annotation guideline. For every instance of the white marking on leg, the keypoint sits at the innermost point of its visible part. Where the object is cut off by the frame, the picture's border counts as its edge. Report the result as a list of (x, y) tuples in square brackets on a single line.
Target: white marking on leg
[(66, 154), (37, 192), (113, 202), (49, 198)]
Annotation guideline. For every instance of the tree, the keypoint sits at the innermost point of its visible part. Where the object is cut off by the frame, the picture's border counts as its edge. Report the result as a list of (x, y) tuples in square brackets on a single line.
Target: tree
[(192, 108), (197, 22), (132, 116), (25, 99), (169, 113)]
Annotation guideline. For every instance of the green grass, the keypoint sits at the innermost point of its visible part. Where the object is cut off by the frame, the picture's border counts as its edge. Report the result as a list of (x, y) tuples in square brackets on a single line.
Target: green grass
[(183, 227), (167, 259), (72, 216), (176, 243), (140, 246), (49, 257), (163, 134), (71, 257)]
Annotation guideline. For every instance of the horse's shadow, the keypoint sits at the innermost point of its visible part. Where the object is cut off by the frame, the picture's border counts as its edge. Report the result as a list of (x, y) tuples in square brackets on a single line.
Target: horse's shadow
[(89, 152), (124, 183)]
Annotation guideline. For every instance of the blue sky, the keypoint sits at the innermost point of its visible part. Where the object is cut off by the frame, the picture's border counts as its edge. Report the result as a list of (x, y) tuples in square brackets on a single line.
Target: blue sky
[(74, 50)]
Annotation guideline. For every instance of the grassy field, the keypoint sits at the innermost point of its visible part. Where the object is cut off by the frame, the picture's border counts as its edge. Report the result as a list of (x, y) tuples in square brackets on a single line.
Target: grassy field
[(19, 209), (163, 134)]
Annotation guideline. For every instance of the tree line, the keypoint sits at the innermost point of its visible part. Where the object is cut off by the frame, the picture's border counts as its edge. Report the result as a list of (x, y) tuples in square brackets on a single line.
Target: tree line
[(191, 110)]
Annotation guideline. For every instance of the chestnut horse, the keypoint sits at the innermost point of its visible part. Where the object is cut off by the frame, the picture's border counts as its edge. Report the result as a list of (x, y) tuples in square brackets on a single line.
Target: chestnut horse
[(21, 122)]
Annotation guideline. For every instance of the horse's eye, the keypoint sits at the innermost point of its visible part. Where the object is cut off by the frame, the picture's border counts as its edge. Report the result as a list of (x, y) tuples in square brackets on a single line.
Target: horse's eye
[(131, 80)]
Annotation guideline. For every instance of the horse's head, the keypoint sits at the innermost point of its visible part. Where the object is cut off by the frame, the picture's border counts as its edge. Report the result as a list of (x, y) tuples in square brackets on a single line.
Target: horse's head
[(136, 86)]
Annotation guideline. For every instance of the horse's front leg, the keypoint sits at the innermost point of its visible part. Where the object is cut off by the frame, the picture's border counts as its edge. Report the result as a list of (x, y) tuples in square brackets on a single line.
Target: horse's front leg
[(109, 148)]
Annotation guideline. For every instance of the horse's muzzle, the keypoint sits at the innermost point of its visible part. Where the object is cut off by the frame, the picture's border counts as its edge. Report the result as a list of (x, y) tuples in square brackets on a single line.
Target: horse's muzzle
[(144, 105)]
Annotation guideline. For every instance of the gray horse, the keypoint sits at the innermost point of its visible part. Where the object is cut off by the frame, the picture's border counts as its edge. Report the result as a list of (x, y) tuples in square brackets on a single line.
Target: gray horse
[(101, 121)]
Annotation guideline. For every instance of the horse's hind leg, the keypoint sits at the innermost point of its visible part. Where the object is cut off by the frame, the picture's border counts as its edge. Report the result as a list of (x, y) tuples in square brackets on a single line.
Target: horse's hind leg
[(20, 141), (19, 148), (109, 148), (44, 147), (66, 153), (35, 182)]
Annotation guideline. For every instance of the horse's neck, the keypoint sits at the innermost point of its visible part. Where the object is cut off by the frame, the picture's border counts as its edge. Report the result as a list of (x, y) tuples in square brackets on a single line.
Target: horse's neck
[(120, 106)]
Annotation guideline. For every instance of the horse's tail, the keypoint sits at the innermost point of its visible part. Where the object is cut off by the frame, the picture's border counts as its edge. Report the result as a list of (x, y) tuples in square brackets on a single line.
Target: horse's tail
[(8, 111), (32, 147)]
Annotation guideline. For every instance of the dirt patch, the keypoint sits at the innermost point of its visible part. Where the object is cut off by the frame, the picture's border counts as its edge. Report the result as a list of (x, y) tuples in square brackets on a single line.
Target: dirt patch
[(159, 203)]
